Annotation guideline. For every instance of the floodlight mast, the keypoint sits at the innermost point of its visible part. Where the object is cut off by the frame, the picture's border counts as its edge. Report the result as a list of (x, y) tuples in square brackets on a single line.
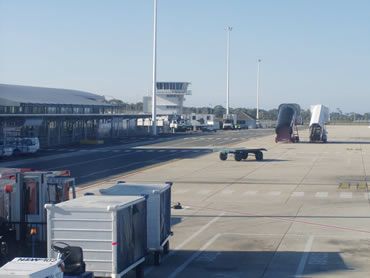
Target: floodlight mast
[(228, 30), (258, 91), (154, 85)]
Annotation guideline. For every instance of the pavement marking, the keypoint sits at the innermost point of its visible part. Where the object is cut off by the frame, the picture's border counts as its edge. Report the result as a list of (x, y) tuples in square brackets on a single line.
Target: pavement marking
[(297, 194), (194, 256), (204, 191), (248, 193), (274, 193), (161, 151), (126, 151), (304, 258), (180, 246), (321, 194), (227, 192), (345, 195)]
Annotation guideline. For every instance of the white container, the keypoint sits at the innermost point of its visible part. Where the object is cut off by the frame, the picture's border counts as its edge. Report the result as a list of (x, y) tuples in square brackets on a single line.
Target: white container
[(111, 231), (158, 209)]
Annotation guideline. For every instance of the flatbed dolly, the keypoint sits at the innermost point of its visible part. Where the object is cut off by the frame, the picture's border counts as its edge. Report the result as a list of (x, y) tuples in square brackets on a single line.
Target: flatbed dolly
[(242, 153)]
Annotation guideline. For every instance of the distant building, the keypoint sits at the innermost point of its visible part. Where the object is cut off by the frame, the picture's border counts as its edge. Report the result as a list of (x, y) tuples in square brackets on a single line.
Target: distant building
[(170, 98), (60, 116)]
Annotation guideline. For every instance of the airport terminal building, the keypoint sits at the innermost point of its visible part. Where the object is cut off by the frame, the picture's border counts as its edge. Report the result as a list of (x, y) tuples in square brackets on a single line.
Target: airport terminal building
[(61, 116)]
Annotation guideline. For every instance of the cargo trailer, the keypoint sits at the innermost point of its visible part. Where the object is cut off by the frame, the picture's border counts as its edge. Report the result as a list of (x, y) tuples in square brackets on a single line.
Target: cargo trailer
[(158, 212), (111, 230)]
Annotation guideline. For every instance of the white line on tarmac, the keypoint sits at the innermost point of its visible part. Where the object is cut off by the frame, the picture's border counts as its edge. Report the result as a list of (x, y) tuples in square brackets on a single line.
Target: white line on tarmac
[(346, 195), (194, 256), (304, 258), (321, 195), (178, 247), (297, 194), (250, 193)]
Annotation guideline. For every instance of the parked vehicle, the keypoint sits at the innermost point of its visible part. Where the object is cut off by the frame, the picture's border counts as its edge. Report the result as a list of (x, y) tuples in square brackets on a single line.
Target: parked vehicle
[(23, 145), (5, 151), (286, 127), (319, 117)]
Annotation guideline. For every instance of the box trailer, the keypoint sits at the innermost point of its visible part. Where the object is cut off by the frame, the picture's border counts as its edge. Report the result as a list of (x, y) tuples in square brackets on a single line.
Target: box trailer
[(158, 212), (111, 230)]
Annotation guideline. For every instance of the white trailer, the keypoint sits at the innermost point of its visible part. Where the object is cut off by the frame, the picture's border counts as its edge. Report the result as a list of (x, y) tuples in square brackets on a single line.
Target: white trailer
[(319, 118), (111, 230), (158, 198)]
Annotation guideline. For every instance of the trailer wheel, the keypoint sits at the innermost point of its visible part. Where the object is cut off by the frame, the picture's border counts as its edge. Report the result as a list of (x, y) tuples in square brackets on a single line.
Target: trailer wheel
[(139, 270), (157, 258), (259, 156), (223, 156), (245, 155), (238, 156), (166, 248)]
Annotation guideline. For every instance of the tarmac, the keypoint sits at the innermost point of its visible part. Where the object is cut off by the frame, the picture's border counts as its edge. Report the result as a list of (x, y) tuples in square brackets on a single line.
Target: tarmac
[(303, 211)]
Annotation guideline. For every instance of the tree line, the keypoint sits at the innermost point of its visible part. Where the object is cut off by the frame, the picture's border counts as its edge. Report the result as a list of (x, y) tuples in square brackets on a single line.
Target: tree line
[(269, 115)]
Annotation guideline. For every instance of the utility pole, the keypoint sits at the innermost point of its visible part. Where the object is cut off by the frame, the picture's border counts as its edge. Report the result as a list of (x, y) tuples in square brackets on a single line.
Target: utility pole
[(228, 30), (154, 85), (258, 91)]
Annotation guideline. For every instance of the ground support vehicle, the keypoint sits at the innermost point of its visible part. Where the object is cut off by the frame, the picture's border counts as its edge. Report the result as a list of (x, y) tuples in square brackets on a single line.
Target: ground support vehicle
[(158, 198), (111, 230), (23, 145), (288, 119), (319, 117), (242, 153), (68, 264), (23, 194)]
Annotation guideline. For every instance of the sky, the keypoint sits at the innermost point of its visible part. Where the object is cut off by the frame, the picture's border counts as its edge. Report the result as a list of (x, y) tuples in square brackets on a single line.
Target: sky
[(312, 51)]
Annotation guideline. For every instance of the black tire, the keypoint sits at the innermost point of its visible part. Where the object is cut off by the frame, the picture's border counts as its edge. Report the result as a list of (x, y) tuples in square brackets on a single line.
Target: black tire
[(238, 156), (245, 155), (139, 271), (16, 152), (223, 156), (259, 156), (157, 258), (166, 248)]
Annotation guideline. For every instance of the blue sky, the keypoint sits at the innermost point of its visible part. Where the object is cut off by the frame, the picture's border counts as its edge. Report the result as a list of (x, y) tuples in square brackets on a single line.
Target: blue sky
[(313, 51)]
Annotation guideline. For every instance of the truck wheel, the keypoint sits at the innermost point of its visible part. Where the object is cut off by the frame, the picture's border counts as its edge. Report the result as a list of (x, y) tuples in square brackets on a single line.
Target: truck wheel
[(157, 258), (223, 156), (238, 156), (245, 155), (259, 156), (166, 248), (139, 271)]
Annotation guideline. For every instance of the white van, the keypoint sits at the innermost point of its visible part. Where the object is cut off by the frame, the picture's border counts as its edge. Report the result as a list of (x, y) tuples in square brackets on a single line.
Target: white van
[(24, 145)]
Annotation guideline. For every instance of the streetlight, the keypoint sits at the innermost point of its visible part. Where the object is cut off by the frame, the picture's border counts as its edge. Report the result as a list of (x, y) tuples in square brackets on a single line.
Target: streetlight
[(258, 91), (154, 85), (228, 30)]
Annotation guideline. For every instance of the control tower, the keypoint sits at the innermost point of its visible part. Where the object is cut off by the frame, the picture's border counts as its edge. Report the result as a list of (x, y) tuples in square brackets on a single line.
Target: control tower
[(170, 98)]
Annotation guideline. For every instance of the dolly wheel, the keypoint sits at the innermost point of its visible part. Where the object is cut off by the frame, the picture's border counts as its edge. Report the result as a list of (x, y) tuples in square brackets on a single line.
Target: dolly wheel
[(223, 156), (139, 271), (259, 156), (245, 155), (157, 258), (166, 248), (238, 156)]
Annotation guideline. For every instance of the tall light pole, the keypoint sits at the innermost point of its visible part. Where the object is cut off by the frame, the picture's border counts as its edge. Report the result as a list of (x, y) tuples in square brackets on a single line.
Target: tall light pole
[(154, 85), (258, 91), (228, 30)]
